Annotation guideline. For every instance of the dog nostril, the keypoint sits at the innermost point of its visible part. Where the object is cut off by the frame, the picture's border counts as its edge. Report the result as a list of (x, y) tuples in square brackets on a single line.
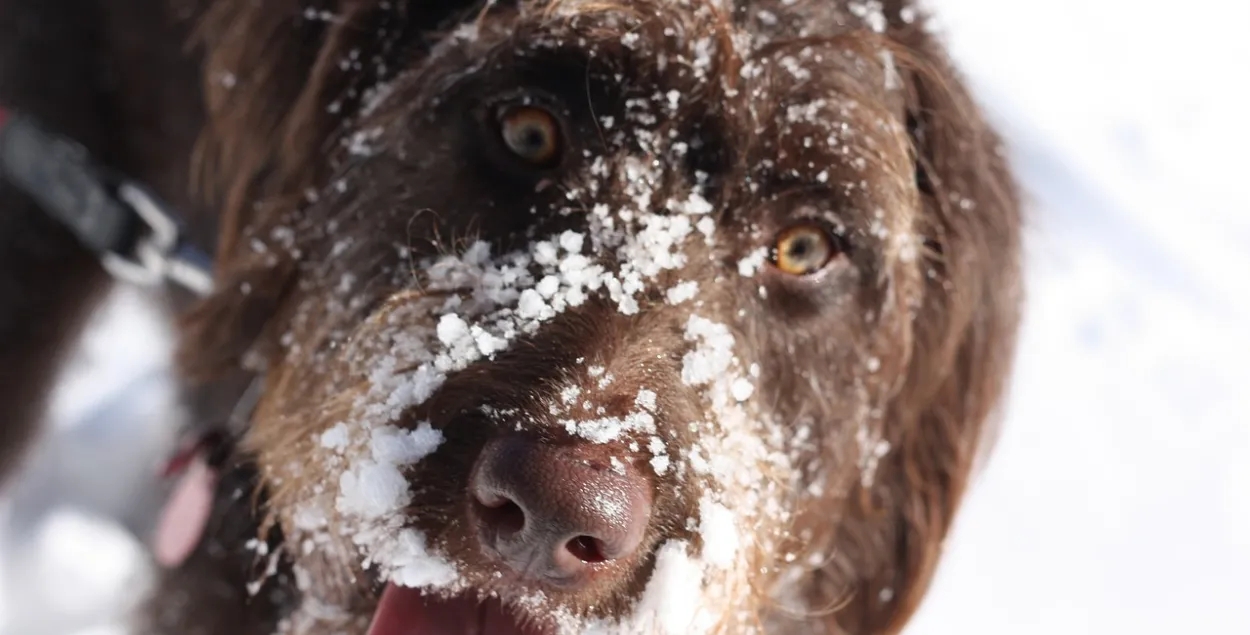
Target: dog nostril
[(587, 549), (503, 516)]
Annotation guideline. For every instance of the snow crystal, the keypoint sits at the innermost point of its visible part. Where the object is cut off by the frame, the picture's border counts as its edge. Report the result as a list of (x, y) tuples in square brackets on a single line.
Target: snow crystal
[(714, 355), (393, 445), (753, 262), (792, 65), (310, 516), (892, 80), (336, 438), (707, 227), (671, 603), (374, 97), (606, 429), (660, 460), (487, 343), (703, 57), (672, 594), (871, 450), (694, 205), (742, 389), (571, 241), (604, 381), (871, 13), (682, 291), (372, 489), (420, 567), (548, 287), (646, 400), (452, 330), (656, 445), (532, 305), (808, 112), (718, 528), (313, 15), (698, 462), (392, 393), (360, 142)]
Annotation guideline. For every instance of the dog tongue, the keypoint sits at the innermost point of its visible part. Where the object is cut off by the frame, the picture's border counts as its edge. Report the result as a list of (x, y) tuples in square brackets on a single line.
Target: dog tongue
[(185, 514), (405, 611)]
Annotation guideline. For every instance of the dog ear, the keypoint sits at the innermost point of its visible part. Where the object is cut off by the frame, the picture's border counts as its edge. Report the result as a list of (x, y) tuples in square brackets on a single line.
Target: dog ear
[(281, 78), (939, 423)]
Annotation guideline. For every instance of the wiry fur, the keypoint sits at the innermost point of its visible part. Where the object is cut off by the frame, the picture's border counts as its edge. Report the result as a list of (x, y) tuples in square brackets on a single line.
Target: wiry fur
[(906, 346)]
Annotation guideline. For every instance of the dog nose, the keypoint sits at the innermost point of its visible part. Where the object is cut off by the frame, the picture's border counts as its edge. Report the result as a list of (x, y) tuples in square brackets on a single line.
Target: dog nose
[(556, 513)]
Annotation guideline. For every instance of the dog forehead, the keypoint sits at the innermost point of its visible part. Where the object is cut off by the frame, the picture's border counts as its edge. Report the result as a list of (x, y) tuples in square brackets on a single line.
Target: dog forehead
[(787, 69), (781, 18), (798, 93), (700, 41)]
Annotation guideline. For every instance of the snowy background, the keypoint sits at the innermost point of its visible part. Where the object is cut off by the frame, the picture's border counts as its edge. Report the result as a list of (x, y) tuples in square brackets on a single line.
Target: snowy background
[(1118, 499)]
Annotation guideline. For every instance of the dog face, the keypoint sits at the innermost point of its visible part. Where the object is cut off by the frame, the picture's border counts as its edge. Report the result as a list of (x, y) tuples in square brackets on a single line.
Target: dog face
[(619, 318)]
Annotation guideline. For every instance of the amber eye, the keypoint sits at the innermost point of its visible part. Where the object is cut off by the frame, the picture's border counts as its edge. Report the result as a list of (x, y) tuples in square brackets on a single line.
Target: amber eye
[(532, 134), (803, 249)]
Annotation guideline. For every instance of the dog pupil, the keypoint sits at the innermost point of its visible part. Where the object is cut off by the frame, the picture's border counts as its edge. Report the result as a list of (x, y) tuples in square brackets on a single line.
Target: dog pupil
[(533, 140), (800, 247)]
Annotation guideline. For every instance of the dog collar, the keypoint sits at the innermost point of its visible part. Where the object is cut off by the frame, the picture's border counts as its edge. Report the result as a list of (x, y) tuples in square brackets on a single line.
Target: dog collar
[(135, 235)]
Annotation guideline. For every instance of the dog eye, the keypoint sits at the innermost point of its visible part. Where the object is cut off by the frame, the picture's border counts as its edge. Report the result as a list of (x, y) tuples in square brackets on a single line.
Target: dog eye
[(532, 134), (804, 249)]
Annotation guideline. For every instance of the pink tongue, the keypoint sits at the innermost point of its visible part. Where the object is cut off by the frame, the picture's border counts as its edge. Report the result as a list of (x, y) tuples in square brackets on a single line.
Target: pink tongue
[(398, 611), (405, 611), (185, 514)]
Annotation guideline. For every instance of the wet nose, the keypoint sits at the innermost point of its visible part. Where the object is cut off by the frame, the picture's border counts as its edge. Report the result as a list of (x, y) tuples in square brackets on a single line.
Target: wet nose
[(555, 512)]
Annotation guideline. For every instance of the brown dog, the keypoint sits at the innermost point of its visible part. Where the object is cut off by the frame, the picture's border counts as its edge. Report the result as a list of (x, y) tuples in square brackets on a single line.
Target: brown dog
[(567, 316)]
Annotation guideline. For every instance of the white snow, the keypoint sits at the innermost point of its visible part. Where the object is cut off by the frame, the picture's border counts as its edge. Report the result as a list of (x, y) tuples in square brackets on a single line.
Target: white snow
[(646, 399), (606, 429), (372, 490), (670, 603), (749, 265), (712, 354), (336, 438), (718, 528), (741, 389), (420, 568), (66, 566), (682, 292), (1118, 497), (71, 537), (394, 445)]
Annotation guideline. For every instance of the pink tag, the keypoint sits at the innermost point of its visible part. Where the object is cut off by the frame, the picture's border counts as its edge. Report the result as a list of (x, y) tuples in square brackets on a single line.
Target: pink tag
[(185, 514)]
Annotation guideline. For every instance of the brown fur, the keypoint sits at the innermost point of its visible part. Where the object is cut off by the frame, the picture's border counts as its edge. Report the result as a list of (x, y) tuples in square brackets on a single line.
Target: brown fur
[(932, 299)]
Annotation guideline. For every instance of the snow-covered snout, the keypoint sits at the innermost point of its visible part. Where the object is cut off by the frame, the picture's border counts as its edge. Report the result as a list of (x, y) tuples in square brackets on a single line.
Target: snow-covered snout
[(620, 320)]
